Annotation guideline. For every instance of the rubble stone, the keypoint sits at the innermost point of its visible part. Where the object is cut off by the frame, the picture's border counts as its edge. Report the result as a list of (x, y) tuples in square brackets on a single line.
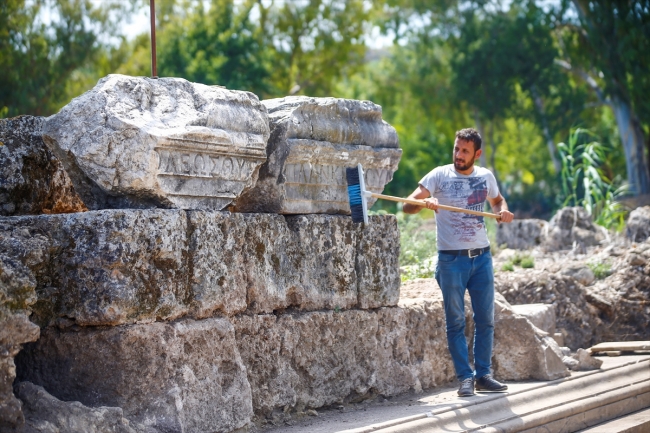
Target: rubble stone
[(520, 350), (46, 414), (32, 179), (312, 142), (180, 376), (571, 228), (139, 142), (540, 315), (638, 224), (577, 319), (522, 234), (585, 361)]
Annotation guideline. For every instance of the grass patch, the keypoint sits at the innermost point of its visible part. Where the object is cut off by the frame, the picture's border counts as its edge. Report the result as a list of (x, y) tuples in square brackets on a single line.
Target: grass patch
[(417, 246), (601, 269), (525, 261)]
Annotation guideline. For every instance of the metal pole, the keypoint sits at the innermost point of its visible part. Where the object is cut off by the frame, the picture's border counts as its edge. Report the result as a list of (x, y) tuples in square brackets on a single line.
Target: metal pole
[(152, 14)]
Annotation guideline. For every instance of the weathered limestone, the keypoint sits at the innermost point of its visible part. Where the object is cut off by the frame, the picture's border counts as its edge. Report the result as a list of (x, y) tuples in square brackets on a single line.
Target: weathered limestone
[(377, 263), (114, 267), (181, 376), (139, 142), (622, 297), (522, 234), (638, 224), (312, 141), (17, 294), (571, 228), (32, 180), (521, 351), (46, 414), (105, 267), (577, 319), (540, 315)]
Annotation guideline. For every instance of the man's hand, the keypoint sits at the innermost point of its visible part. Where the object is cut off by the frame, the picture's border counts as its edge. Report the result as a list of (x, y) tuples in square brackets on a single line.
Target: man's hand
[(431, 203), (506, 216), (500, 207), (421, 193)]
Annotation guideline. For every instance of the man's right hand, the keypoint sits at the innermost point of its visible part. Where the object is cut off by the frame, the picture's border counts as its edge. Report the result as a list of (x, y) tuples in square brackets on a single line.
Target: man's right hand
[(421, 193), (431, 203)]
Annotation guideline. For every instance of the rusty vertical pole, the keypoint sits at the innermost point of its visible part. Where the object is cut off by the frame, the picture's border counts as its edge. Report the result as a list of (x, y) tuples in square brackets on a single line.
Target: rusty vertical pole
[(152, 14)]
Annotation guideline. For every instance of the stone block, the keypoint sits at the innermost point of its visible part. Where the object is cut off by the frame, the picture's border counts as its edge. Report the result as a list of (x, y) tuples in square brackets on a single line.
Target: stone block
[(181, 376), (307, 360), (377, 262), (520, 352), (105, 267), (114, 267), (522, 234), (540, 315), (326, 248), (138, 142), (312, 141), (32, 179)]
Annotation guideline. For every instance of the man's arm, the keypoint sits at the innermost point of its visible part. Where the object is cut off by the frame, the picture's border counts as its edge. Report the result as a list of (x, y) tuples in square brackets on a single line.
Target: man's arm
[(499, 206), (421, 193)]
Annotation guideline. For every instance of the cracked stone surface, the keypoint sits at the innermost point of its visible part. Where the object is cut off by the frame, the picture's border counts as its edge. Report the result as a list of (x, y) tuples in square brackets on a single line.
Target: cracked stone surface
[(312, 141), (139, 142)]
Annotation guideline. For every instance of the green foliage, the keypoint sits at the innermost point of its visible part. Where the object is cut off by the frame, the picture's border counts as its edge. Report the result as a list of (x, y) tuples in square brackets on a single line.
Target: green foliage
[(600, 269), (525, 261), (39, 59), (584, 182), (417, 247)]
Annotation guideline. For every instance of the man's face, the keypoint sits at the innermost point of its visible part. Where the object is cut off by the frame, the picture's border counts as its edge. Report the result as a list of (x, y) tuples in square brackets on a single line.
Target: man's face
[(464, 155)]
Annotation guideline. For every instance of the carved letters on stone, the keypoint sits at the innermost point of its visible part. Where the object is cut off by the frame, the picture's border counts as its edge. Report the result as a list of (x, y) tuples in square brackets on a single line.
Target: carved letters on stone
[(138, 142)]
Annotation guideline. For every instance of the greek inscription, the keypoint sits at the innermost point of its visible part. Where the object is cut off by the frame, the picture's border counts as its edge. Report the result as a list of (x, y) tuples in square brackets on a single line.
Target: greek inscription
[(204, 165), (314, 174)]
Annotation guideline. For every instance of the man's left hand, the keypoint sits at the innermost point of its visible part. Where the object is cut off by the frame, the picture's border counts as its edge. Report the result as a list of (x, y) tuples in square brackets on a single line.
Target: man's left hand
[(506, 216)]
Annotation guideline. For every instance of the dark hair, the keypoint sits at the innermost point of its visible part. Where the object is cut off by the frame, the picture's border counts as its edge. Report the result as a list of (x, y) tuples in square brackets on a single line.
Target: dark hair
[(470, 134)]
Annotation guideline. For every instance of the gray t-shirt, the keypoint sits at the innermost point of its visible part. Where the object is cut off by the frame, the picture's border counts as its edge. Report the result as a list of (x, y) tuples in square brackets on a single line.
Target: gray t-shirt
[(455, 230)]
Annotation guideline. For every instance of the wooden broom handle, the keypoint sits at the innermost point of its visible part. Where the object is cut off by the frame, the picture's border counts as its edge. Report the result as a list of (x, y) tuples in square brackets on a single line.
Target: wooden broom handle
[(440, 206)]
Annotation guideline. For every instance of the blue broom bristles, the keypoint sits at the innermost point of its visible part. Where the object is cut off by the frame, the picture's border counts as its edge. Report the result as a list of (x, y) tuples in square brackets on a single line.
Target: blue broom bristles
[(354, 194)]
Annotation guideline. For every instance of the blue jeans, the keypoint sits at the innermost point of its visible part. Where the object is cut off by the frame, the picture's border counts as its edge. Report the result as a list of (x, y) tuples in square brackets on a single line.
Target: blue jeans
[(455, 274)]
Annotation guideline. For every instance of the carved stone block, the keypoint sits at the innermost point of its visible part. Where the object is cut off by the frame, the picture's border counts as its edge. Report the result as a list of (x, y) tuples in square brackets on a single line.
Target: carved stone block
[(312, 141), (142, 142)]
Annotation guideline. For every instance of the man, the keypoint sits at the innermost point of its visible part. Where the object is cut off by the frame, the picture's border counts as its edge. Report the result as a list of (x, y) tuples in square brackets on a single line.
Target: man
[(464, 259)]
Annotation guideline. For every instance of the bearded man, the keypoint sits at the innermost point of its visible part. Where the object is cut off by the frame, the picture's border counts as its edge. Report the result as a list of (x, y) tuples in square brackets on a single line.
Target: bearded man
[(464, 258)]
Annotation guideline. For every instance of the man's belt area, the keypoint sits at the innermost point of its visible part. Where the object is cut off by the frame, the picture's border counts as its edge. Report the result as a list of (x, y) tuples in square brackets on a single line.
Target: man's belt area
[(469, 253)]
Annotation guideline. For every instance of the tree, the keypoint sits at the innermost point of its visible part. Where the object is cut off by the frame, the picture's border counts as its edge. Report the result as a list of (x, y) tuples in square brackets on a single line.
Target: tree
[(38, 59), (607, 47), (314, 42)]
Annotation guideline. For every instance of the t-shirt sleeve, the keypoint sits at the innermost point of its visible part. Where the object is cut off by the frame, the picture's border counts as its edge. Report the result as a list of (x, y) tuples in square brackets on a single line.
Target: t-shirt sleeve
[(493, 186), (430, 181)]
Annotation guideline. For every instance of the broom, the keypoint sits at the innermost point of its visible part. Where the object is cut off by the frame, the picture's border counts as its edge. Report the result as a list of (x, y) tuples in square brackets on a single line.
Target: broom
[(358, 196)]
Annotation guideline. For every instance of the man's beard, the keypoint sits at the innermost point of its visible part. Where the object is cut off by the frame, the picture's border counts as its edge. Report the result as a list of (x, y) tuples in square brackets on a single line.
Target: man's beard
[(458, 166)]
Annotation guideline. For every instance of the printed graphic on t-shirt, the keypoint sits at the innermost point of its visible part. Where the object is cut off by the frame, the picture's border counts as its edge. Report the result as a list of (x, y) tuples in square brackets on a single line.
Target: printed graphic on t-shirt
[(468, 193)]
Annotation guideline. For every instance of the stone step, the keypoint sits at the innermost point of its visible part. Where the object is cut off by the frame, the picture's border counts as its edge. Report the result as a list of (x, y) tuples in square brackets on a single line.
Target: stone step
[(637, 422), (565, 405)]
